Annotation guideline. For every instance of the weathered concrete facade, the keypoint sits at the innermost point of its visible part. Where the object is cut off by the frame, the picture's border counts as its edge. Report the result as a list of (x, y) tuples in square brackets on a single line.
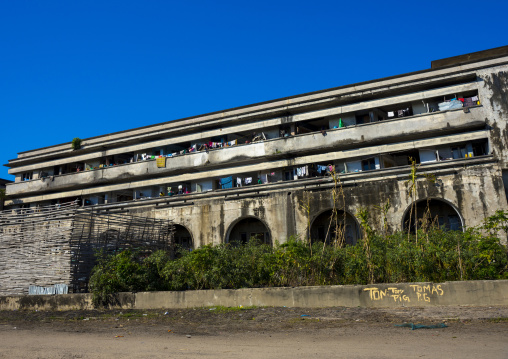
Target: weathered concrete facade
[(464, 187), (362, 130)]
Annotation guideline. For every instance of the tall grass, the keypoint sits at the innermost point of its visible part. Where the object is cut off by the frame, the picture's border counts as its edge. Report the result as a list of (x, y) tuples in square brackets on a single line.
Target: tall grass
[(437, 256)]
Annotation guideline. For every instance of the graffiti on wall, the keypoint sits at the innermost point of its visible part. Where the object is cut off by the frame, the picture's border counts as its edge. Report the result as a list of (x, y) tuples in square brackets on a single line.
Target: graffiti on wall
[(416, 292)]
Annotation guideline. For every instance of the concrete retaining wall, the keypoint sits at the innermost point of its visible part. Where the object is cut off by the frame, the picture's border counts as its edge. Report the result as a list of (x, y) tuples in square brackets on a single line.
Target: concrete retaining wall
[(376, 295), (472, 293)]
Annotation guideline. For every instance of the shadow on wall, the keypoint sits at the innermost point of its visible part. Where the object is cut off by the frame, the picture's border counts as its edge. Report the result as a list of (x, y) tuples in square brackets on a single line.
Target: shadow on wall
[(247, 229), (344, 228), (432, 212), (183, 238)]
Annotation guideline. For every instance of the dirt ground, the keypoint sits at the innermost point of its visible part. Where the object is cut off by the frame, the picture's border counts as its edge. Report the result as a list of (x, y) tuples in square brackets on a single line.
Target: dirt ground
[(471, 332)]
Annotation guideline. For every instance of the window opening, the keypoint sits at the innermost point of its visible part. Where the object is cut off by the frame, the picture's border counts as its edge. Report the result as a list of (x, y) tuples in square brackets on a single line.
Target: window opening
[(368, 164), (361, 119), (479, 149), (459, 152)]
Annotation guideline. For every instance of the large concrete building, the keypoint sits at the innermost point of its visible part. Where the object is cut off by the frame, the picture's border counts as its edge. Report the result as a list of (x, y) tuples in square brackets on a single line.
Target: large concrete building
[(3, 182), (264, 170)]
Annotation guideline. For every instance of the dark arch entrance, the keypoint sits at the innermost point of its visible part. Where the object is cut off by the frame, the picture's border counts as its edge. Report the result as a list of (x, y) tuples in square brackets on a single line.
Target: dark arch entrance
[(249, 228), (433, 212), (323, 228), (182, 238)]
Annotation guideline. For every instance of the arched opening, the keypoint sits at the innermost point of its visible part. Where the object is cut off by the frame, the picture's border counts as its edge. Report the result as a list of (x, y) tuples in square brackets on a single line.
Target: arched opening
[(341, 228), (247, 229), (182, 239), (432, 212)]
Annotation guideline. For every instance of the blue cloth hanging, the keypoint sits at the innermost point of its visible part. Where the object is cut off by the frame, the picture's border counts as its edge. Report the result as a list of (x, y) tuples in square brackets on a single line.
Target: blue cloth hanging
[(226, 182), (321, 169)]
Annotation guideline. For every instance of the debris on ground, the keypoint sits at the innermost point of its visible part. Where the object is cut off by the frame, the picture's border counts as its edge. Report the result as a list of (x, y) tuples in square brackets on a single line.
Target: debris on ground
[(422, 326)]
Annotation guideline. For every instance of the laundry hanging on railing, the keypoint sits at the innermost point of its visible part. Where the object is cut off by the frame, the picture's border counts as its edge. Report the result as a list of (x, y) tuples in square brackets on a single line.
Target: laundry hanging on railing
[(470, 101), (161, 162), (404, 112), (226, 182), (324, 169), (264, 178), (449, 105), (299, 172), (258, 137), (321, 169), (400, 113), (214, 144)]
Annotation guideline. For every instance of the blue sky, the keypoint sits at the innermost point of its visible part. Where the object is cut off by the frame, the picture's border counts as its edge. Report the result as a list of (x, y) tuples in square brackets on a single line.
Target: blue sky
[(80, 69)]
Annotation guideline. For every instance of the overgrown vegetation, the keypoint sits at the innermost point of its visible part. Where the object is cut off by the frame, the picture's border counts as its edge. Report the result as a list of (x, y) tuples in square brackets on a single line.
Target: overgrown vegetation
[(438, 255), (76, 143)]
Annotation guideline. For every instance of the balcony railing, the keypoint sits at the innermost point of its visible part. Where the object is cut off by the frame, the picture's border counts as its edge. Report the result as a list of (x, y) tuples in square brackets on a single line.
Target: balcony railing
[(357, 136)]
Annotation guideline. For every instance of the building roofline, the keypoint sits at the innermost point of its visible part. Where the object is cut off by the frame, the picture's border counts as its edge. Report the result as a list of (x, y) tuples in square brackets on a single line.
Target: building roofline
[(489, 54), (470, 57), (240, 107)]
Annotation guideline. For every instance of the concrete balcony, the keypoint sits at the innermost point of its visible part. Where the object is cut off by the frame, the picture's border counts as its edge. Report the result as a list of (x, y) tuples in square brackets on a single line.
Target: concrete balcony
[(392, 131)]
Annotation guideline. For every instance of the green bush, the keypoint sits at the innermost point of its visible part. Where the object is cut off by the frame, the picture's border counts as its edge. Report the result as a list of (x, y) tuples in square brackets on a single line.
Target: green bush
[(436, 256), (122, 272), (76, 143)]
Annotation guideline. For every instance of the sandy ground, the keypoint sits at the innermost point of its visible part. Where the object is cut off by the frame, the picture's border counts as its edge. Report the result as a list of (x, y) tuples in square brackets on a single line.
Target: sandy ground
[(471, 332)]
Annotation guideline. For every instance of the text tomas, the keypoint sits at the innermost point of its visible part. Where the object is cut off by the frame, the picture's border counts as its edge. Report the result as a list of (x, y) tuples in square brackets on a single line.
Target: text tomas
[(422, 292)]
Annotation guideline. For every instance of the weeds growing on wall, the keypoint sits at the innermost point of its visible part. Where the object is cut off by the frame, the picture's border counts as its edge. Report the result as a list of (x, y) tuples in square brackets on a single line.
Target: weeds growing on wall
[(76, 143), (437, 256)]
